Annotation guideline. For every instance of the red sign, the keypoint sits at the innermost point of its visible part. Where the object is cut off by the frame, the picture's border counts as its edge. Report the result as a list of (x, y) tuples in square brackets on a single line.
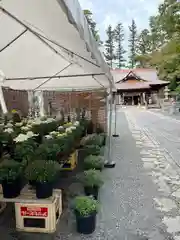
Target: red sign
[(34, 211)]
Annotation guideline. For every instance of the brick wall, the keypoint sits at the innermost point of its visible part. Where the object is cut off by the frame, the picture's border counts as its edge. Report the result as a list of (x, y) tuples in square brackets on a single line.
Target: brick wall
[(16, 99), (67, 101)]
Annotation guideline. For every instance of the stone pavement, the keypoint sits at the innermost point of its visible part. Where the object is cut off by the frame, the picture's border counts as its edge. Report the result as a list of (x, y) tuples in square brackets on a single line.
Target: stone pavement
[(135, 202)]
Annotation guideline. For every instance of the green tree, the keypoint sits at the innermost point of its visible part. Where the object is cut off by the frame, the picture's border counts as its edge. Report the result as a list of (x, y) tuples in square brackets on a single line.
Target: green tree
[(119, 39), (109, 46), (92, 25), (132, 44)]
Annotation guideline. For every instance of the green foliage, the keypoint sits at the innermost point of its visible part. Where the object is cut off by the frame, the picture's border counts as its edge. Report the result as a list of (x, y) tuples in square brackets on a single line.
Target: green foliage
[(10, 170), (16, 117), (25, 150), (93, 139), (132, 44), (42, 171), (85, 205), (92, 149), (109, 46), (91, 178), (94, 162), (119, 39)]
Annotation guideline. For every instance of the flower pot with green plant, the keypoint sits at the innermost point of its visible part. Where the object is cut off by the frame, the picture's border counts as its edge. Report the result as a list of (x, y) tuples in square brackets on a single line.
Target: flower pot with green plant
[(94, 162), (43, 174), (85, 209), (91, 150), (11, 178), (92, 181)]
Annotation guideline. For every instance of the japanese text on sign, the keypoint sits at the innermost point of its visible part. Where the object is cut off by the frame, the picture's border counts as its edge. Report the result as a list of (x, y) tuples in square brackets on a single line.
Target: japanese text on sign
[(34, 212)]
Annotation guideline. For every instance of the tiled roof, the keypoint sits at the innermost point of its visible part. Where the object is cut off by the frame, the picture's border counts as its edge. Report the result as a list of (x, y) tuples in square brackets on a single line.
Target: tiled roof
[(149, 75)]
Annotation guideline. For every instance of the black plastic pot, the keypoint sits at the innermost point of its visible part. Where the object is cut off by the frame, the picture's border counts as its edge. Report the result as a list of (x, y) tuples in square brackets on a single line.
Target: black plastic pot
[(44, 189), (92, 191), (11, 189), (85, 224)]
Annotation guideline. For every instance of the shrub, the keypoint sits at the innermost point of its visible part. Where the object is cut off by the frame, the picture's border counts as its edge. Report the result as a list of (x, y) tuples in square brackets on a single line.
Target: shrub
[(94, 162), (91, 178), (42, 171), (85, 205), (10, 170)]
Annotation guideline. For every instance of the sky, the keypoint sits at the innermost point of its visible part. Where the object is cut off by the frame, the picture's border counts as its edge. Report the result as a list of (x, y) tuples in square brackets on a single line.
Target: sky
[(114, 11)]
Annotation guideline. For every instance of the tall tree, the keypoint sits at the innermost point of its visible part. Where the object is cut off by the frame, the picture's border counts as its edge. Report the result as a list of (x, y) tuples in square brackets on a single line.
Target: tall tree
[(92, 25), (143, 49), (109, 46), (132, 44), (119, 38)]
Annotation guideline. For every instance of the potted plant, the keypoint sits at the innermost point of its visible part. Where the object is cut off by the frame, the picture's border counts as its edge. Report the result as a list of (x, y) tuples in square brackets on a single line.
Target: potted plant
[(93, 162), (10, 177), (92, 181), (42, 174), (85, 209), (91, 150)]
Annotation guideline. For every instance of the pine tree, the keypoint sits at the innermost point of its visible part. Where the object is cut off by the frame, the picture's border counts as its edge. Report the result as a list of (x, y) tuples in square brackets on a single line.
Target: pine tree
[(109, 46), (132, 44), (119, 38)]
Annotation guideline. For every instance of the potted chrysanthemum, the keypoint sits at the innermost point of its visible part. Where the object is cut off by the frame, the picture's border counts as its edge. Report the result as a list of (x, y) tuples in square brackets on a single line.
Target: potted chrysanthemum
[(11, 178), (85, 210), (43, 174), (94, 162), (92, 181)]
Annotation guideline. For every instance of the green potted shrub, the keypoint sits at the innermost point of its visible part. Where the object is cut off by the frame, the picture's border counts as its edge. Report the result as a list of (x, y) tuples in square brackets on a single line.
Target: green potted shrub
[(92, 181), (93, 162), (85, 210), (10, 177), (91, 150), (43, 174)]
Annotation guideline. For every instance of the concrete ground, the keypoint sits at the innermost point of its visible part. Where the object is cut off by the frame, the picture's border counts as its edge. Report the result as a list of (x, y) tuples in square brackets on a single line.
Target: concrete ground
[(140, 197)]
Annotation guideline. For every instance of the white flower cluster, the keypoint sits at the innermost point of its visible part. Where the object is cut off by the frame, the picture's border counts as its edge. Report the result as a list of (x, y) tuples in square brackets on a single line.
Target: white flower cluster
[(24, 137), (8, 130), (38, 121)]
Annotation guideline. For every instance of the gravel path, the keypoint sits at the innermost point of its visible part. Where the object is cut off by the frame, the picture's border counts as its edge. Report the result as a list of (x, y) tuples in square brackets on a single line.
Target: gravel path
[(128, 209)]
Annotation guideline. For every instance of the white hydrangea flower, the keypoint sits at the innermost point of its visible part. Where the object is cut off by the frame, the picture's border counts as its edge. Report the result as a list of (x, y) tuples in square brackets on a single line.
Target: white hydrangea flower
[(76, 123), (1, 124), (72, 127), (54, 133), (19, 124), (31, 134), (9, 130), (49, 120), (60, 128), (25, 128), (48, 137), (21, 138), (9, 125), (68, 130)]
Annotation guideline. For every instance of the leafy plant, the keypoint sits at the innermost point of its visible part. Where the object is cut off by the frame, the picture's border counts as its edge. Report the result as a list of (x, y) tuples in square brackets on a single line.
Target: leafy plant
[(91, 178), (10, 170), (85, 205), (42, 171), (94, 162), (92, 149), (16, 117), (25, 150)]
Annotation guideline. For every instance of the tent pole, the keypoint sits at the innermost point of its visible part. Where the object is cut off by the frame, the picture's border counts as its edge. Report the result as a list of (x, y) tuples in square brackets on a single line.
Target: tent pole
[(109, 163), (115, 116)]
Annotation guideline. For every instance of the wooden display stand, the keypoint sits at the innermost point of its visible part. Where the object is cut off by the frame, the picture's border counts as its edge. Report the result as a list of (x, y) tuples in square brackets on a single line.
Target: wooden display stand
[(72, 162), (36, 215)]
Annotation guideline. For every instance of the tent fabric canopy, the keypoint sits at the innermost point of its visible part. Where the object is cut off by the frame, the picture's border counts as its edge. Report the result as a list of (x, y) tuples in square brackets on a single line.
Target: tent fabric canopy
[(42, 42)]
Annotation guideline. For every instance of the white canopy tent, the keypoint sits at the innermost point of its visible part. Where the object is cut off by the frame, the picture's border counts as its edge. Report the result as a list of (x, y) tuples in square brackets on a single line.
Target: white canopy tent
[(47, 45)]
